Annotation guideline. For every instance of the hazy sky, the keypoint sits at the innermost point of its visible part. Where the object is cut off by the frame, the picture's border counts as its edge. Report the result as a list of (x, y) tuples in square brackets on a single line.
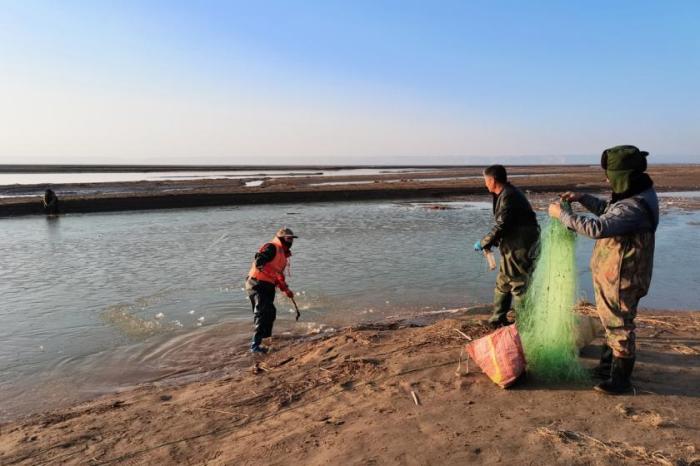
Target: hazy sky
[(347, 82)]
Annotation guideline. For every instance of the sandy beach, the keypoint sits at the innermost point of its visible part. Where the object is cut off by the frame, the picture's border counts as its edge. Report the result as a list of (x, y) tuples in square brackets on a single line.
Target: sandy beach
[(398, 392)]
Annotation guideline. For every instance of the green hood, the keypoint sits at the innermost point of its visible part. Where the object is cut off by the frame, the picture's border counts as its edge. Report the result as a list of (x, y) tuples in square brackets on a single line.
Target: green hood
[(620, 180), (622, 164)]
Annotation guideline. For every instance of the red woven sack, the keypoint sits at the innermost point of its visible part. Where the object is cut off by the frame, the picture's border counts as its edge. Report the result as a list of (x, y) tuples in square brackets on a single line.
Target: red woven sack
[(499, 355)]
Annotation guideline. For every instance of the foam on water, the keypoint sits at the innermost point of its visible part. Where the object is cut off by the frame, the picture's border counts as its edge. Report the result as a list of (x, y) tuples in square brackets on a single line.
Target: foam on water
[(131, 325)]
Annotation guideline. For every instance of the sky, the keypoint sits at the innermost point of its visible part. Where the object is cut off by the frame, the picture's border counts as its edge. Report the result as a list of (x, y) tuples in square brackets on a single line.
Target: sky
[(351, 82)]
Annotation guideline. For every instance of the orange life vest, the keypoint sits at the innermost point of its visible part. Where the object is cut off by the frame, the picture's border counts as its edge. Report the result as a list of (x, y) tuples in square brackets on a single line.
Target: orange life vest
[(273, 271)]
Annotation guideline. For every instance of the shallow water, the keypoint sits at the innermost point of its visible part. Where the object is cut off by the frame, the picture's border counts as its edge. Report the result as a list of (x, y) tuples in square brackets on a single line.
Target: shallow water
[(91, 303), (686, 194)]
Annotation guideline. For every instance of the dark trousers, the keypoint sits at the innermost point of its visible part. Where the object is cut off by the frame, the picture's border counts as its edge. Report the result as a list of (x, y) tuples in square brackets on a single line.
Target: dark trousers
[(262, 298), (517, 264)]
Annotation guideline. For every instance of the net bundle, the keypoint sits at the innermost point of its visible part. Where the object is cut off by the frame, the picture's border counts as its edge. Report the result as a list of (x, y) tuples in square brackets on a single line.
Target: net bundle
[(546, 321)]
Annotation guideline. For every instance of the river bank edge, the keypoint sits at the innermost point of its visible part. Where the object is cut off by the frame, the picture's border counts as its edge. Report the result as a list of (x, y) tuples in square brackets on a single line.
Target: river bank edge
[(126, 196)]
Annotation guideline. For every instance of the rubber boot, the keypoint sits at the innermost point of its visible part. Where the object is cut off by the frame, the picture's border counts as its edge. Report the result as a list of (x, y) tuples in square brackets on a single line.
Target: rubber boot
[(255, 346), (501, 306), (619, 381), (602, 370)]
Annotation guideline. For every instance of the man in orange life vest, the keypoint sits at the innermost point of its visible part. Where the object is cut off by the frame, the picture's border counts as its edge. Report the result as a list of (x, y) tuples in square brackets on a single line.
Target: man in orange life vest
[(266, 273)]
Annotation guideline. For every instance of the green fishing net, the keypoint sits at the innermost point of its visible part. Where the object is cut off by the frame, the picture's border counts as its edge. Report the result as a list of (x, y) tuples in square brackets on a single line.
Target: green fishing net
[(546, 321)]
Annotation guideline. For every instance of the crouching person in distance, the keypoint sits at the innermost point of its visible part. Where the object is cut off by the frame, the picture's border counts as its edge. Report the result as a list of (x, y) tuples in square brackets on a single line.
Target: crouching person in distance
[(266, 274), (623, 256)]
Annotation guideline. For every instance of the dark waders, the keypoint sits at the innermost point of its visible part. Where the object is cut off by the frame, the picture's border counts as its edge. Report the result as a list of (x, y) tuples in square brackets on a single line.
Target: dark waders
[(516, 266), (262, 298)]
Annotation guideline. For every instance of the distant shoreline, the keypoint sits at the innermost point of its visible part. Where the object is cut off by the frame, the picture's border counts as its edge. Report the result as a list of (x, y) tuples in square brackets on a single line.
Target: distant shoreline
[(136, 168), (175, 168), (438, 184)]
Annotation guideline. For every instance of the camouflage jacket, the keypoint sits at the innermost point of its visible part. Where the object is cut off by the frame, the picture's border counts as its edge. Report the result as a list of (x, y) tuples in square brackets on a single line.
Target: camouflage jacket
[(623, 255), (516, 224)]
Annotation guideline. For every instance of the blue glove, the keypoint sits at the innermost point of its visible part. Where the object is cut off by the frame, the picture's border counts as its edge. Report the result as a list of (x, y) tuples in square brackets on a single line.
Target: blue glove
[(477, 246)]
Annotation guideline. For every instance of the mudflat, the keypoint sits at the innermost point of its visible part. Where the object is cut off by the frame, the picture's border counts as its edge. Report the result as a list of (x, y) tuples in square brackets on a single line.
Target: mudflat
[(439, 183), (396, 392)]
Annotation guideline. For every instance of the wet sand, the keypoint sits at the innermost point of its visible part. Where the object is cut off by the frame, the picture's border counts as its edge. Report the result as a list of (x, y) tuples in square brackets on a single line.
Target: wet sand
[(295, 189), (347, 397)]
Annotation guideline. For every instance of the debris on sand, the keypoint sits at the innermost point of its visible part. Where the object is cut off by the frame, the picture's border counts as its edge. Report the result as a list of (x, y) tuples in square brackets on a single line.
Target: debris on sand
[(584, 445)]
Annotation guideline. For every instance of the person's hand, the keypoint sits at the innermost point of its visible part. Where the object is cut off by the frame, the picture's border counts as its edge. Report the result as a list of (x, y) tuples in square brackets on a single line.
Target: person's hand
[(571, 196), (289, 293), (555, 210), (478, 246)]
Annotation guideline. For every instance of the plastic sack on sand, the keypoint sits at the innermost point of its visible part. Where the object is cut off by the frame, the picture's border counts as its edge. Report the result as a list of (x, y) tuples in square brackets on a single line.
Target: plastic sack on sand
[(500, 355), (587, 329)]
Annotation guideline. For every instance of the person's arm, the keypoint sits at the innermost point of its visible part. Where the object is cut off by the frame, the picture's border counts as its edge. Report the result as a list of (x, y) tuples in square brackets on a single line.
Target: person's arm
[(594, 204), (265, 256), (621, 219), (282, 285)]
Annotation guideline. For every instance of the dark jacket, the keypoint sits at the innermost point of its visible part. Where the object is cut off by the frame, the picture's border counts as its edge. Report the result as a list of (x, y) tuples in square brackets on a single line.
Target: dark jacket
[(516, 224)]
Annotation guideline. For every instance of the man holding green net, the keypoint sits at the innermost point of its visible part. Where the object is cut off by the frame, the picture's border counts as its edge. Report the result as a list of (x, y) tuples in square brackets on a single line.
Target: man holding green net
[(623, 255), (515, 233)]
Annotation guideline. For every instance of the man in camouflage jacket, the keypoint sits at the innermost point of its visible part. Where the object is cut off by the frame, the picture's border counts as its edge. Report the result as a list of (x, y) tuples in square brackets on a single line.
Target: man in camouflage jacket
[(622, 260)]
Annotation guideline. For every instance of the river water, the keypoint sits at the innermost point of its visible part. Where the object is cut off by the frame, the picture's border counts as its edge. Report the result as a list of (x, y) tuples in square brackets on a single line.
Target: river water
[(96, 302)]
